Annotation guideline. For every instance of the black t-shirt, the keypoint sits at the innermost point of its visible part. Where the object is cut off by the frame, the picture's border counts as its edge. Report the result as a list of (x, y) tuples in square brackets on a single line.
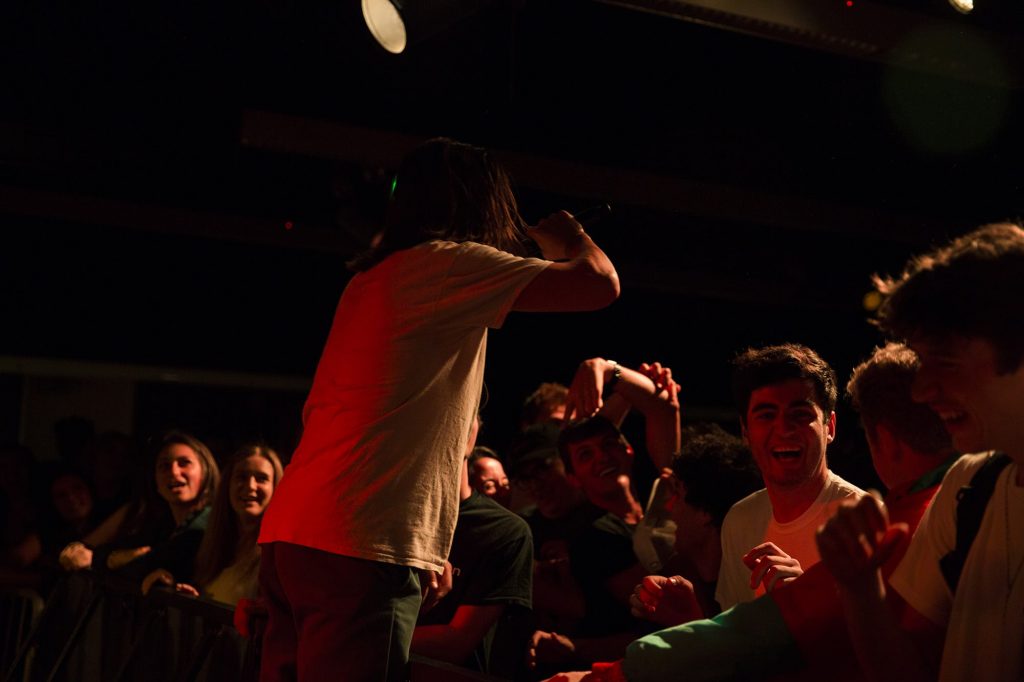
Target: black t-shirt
[(562, 529), (493, 551), (603, 549)]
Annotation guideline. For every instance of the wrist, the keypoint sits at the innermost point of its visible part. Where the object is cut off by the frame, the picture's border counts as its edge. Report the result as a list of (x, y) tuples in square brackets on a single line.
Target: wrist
[(612, 374)]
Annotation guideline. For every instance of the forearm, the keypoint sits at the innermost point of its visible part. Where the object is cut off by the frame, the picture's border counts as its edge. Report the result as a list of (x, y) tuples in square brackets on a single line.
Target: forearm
[(885, 651), (441, 643)]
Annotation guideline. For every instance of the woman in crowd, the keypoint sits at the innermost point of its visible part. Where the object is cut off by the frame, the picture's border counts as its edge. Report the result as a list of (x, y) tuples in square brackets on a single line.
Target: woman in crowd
[(227, 566), (167, 535)]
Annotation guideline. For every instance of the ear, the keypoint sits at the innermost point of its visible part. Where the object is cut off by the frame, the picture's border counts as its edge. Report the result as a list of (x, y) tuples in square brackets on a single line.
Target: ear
[(743, 432), (831, 427)]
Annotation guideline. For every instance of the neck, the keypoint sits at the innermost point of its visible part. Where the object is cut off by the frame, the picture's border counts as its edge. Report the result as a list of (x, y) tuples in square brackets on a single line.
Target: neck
[(788, 503), (180, 512)]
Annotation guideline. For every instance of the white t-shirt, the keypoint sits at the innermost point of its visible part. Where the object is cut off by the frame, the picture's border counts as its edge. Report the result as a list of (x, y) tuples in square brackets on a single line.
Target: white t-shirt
[(985, 619), (376, 474), (751, 522)]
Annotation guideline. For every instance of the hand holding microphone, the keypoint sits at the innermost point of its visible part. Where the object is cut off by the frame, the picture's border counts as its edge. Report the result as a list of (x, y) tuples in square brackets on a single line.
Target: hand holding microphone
[(560, 234)]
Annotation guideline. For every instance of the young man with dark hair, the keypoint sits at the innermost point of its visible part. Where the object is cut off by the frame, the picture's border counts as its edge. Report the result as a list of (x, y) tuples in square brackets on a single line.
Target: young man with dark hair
[(598, 459), (798, 630), (960, 308), (713, 471), (786, 396)]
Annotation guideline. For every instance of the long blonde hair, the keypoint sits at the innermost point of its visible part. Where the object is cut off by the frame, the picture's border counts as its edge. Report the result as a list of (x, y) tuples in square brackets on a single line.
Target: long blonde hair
[(222, 543)]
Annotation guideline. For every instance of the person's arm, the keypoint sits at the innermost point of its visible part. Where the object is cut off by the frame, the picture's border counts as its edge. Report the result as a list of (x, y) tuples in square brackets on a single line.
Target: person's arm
[(582, 278), (854, 543), (658, 403), (455, 641)]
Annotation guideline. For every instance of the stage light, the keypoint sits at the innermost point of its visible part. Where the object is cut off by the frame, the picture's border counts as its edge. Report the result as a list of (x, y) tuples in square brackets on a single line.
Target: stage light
[(396, 24), (962, 6)]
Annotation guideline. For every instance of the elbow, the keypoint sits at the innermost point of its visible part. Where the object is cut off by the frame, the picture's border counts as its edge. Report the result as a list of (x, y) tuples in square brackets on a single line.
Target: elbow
[(605, 291)]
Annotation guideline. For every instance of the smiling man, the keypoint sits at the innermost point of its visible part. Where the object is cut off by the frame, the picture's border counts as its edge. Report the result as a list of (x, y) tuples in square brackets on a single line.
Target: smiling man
[(960, 308), (786, 396)]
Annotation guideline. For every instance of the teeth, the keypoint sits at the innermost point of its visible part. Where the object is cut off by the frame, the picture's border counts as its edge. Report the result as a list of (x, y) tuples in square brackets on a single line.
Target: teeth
[(948, 416)]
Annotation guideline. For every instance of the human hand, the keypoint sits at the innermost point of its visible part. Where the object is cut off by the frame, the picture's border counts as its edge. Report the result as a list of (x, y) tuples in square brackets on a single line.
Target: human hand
[(857, 540), (665, 601), (75, 557), (663, 382), (584, 398), (435, 586), (122, 557), (549, 648), (158, 576), (769, 565), (557, 235)]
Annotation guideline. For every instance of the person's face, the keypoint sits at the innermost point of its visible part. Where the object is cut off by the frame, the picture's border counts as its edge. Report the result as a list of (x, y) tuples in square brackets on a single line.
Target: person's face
[(692, 524), (252, 486), (788, 433), (981, 409), (488, 477), (71, 498), (598, 462), (179, 474), (544, 482)]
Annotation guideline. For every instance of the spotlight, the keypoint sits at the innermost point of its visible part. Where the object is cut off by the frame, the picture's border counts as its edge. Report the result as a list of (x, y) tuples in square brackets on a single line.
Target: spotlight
[(395, 24), (962, 6)]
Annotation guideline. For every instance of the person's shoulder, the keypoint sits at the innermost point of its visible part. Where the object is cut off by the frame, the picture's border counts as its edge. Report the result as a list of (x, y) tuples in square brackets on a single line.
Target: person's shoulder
[(840, 488), (754, 503), (498, 519), (967, 465)]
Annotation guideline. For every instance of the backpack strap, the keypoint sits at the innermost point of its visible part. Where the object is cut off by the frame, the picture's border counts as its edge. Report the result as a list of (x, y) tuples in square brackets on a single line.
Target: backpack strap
[(971, 502)]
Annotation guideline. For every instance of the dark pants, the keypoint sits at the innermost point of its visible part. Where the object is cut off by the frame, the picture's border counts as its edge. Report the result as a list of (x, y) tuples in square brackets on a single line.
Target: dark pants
[(334, 617)]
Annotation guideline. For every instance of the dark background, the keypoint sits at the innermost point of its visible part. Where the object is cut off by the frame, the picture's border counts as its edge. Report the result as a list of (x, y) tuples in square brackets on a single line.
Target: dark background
[(182, 182)]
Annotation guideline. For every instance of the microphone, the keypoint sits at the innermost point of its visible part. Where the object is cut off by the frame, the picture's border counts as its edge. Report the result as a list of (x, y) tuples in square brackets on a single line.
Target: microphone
[(589, 217)]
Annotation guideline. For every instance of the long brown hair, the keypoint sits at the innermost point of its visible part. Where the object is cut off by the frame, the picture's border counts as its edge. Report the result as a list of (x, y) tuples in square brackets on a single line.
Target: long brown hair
[(448, 190), (222, 542)]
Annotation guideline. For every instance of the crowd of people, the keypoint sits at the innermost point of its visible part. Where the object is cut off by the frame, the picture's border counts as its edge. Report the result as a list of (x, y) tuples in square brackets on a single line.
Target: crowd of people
[(689, 553)]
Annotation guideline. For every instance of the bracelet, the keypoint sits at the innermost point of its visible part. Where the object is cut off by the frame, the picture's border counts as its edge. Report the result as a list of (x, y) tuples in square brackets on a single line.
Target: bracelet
[(610, 384)]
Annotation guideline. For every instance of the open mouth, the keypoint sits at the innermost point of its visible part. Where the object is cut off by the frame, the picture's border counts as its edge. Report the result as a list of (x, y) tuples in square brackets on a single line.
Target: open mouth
[(609, 471), (786, 454), (952, 417)]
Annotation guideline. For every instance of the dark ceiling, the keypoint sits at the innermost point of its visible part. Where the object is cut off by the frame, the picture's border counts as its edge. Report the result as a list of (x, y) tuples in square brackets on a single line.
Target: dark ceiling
[(180, 183)]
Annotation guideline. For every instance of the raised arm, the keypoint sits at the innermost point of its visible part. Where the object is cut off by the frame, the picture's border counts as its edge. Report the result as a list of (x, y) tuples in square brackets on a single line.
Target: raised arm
[(581, 278), (655, 398)]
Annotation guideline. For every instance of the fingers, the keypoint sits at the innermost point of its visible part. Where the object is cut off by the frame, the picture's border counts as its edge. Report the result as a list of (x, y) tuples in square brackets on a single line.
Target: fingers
[(777, 575), (895, 537), (857, 540), (185, 588), (122, 557), (768, 564)]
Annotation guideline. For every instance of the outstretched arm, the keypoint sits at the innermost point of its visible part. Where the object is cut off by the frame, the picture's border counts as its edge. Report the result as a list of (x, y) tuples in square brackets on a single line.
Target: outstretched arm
[(853, 545)]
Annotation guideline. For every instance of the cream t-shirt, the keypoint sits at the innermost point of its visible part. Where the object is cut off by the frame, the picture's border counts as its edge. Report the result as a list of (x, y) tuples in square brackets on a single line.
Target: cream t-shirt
[(376, 473), (984, 621), (750, 522)]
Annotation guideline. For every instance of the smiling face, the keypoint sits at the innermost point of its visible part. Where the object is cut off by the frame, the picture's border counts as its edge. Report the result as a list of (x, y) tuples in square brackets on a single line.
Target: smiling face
[(599, 461), (252, 486), (488, 477), (788, 433), (980, 408), (179, 475)]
